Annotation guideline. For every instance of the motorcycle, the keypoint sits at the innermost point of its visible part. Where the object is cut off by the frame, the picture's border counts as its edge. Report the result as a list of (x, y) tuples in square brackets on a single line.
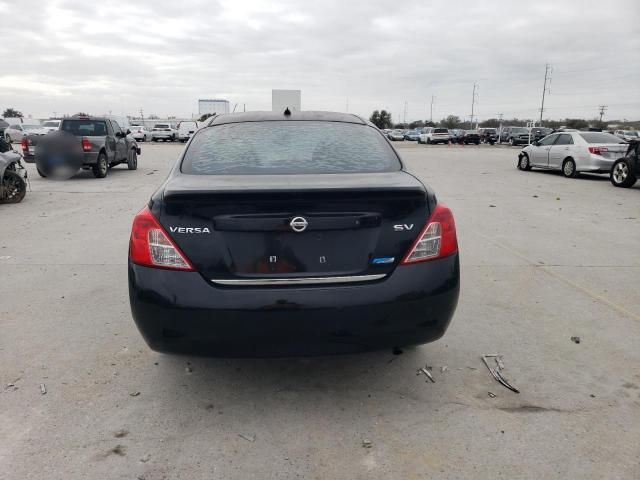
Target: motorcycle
[(13, 175)]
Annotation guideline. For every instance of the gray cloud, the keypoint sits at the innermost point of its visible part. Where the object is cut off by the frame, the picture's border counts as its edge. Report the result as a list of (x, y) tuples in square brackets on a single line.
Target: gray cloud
[(162, 56)]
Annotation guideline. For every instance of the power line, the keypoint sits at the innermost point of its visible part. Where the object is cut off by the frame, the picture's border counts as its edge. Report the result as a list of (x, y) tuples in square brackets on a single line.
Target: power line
[(547, 76), (603, 108)]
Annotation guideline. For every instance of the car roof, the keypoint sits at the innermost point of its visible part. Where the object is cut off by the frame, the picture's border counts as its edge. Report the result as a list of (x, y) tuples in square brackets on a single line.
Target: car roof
[(295, 115), (89, 117)]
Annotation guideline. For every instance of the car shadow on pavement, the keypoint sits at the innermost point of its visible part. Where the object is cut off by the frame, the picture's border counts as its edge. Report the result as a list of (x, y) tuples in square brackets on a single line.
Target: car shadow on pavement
[(244, 379)]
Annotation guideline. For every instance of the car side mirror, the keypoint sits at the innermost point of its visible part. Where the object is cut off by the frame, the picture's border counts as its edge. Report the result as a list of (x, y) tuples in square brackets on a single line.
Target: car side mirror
[(536, 143)]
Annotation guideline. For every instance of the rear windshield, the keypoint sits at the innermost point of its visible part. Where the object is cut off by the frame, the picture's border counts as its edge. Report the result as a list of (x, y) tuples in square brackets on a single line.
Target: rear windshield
[(519, 130), (50, 124), (489, 130), (600, 137), (86, 128), (440, 130), (162, 125), (288, 147)]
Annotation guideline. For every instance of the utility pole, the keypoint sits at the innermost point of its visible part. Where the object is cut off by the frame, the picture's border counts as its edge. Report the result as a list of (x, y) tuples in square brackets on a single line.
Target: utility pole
[(405, 113), (500, 115), (474, 98), (603, 108), (548, 70), (431, 110)]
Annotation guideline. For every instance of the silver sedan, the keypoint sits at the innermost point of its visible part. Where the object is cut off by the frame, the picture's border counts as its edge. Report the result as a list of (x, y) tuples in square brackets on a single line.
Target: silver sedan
[(573, 152)]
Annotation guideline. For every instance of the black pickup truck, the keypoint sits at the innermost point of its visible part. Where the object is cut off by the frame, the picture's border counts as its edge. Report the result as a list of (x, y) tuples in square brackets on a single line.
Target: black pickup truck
[(94, 143)]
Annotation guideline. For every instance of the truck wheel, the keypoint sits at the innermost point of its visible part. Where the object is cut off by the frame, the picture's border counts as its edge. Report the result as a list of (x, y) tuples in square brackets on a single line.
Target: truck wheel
[(512, 142), (132, 160), (622, 174), (101, 166), (569, 168), (13, 189)]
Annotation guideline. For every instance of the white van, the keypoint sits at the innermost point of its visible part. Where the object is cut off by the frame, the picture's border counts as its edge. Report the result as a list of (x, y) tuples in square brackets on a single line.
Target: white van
[(186, 129)]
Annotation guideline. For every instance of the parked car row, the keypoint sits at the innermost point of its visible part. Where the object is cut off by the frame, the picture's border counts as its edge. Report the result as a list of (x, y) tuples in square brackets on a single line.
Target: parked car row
[(574, 152)]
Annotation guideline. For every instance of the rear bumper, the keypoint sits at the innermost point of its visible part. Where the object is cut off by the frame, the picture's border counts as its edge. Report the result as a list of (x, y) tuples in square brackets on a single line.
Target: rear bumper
[(183, 312), (595, 164)]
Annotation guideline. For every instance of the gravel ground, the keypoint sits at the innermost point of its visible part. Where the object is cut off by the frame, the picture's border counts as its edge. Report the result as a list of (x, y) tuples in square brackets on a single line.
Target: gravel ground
[(544, 258)]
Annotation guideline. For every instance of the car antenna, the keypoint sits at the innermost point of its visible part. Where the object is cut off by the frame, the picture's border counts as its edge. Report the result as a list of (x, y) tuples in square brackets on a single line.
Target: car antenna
[(287, 112)]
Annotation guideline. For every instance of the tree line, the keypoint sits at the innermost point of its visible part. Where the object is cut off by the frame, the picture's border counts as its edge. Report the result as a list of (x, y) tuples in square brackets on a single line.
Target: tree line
[(382, 119)]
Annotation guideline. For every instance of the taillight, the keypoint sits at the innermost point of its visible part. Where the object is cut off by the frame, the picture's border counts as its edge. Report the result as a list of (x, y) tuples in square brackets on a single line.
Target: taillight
[(598, 150), (151, 246), (25, 144), (436, 240), (86, 145)]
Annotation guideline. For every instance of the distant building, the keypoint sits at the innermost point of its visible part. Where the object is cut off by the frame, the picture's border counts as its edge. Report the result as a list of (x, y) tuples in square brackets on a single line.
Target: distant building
[(281, 99), (213, 105)]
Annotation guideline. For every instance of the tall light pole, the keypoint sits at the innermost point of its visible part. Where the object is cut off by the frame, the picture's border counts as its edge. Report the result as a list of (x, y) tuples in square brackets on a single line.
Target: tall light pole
[(431, 110), (547, 77), (474, 98)]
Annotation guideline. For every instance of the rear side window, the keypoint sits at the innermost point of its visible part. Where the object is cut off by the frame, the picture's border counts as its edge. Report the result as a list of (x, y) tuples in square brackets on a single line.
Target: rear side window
[(86, 128), (288, 147), (600, 137), (441, 130), (565, 139)]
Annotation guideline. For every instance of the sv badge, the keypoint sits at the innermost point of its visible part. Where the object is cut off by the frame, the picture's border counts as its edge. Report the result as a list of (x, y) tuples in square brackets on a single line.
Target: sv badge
[(403, 227)]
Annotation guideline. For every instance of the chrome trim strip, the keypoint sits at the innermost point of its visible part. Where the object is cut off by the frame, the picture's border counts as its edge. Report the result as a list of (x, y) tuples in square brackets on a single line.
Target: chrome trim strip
[(297, 281)]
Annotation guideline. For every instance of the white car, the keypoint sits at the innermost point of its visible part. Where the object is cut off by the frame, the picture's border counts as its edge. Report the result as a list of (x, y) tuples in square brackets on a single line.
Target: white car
[(16, 131), (140, 133), (396, 135), (627, 135), (164, 132), (186, 129), (434, 135), (573, 152), (51, 125)]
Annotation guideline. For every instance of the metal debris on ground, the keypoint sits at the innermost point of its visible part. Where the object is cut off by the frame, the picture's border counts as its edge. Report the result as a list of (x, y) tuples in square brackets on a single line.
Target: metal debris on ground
[(134, 394), (499, 362), (43, 389), (367, 443), (427, 373), (491, 394), (250, 438), (575, 339), (495, 373)]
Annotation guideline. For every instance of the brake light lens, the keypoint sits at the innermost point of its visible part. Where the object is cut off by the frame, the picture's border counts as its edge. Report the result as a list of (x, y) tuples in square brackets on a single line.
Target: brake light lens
[(150, 245), (437, 239), (598, 150), (86, 145), (25, 144)]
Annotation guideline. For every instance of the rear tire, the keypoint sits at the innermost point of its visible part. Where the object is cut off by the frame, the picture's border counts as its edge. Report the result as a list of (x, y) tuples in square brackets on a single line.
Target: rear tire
[(101, 167), (13, 189), (132, 160), (622, 174), (569, 168), (512, 142)]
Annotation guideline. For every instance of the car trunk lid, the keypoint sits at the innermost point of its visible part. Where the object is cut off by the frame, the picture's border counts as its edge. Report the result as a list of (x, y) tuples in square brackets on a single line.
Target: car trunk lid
[(294, 226)]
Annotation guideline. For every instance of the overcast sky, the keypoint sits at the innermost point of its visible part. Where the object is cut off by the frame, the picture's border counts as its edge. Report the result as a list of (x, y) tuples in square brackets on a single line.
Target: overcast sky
[(162, 55)]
